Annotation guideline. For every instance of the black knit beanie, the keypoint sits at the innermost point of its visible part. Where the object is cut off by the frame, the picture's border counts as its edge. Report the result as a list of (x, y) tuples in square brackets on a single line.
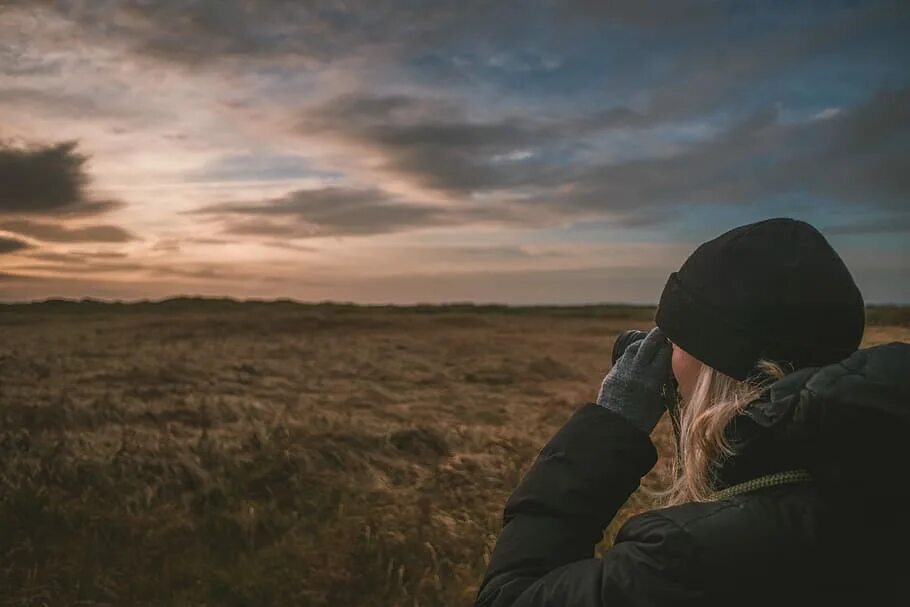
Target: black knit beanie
[(771, 289)]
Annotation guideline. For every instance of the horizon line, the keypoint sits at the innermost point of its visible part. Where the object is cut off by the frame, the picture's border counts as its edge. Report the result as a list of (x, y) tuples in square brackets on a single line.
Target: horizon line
[(324, 302)]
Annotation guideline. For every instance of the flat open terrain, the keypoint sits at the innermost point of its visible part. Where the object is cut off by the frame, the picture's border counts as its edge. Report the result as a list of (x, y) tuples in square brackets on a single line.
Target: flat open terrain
[(215, 453)]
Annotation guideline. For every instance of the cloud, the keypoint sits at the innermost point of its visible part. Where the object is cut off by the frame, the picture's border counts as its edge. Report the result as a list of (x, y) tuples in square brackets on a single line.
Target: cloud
[(19, 61), (84, 265), (46, 179), (50, 182), (344, 211), (447, 115), (671, 14), (11, 245), (256, 167), (214, 31), (433, 142), (329, 211), (10, 277), (61, 103), (51, 232), (79, 257), (851, 159)]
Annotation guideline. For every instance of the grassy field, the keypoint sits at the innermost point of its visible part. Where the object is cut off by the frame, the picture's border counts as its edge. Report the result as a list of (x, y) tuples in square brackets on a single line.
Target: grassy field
[(214, 453)]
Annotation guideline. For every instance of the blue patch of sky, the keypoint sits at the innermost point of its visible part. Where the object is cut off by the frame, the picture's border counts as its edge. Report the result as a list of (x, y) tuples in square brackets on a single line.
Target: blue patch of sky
[(597, 66), (536, 57)]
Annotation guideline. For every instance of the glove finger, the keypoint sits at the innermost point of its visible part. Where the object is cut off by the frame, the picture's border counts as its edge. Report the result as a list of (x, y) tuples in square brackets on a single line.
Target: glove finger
[(663, 360), (631, 351), (651, 345)]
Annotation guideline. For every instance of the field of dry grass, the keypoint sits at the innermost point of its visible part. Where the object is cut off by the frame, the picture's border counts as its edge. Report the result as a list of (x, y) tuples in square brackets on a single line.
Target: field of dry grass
[(213, 453)]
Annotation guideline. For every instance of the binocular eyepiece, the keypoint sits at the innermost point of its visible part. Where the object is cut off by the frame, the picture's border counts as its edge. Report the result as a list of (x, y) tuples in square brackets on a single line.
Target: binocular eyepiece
[(624, 340)]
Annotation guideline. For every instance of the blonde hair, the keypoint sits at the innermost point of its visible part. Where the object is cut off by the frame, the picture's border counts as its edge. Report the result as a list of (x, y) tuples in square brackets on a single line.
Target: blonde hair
[(715, 400)]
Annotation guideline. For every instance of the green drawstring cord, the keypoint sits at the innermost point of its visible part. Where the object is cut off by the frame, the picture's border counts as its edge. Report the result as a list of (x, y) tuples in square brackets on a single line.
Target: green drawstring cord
[(771, 480)]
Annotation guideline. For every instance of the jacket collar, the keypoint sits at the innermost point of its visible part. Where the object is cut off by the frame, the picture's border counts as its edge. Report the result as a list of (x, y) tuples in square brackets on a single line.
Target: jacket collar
[(843, 422)]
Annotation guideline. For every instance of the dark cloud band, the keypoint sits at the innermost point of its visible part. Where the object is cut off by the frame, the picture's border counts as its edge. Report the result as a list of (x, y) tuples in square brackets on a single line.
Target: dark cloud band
[(339, 211), (46, 180), (11, 245), (51, 232)]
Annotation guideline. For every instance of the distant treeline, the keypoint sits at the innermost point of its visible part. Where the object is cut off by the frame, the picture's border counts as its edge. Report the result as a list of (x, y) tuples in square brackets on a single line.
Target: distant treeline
[(227, 305), (876, 314)]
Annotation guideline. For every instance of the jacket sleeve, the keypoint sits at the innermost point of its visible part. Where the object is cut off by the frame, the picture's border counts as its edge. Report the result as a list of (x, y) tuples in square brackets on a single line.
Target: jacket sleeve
[(653, 562), (553, 520)]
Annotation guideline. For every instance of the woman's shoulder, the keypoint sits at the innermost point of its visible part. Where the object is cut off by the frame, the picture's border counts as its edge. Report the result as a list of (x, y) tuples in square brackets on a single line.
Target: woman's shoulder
[(788, 523), (788, 536)]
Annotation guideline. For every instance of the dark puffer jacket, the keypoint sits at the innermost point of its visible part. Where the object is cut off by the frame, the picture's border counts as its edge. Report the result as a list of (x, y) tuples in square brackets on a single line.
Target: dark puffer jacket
[(839, 539)]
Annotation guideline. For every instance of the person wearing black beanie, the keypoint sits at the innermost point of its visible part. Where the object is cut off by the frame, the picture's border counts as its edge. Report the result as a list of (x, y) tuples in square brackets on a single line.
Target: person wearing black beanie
[(788, 486), (773, 289)]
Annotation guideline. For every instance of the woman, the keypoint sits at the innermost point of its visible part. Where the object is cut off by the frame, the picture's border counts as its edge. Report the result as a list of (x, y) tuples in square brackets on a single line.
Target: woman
[(791, 472)]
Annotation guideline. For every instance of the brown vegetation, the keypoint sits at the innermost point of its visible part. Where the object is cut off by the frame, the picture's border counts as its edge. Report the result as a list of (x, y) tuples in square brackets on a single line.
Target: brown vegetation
[(215, 453)]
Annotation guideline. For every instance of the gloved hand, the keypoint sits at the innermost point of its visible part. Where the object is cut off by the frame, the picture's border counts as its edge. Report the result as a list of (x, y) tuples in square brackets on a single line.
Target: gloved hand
[(636, 386)]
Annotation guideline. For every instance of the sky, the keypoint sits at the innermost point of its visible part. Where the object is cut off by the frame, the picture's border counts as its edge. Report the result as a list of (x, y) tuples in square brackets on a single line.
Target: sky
[(398, 151)]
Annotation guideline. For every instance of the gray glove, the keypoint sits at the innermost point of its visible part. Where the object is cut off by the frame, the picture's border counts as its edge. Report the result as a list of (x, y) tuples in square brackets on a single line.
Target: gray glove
[(636, 385)]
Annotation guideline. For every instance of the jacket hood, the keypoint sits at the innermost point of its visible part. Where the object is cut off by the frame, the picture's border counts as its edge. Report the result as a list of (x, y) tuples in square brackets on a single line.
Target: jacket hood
[(846, 423)]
